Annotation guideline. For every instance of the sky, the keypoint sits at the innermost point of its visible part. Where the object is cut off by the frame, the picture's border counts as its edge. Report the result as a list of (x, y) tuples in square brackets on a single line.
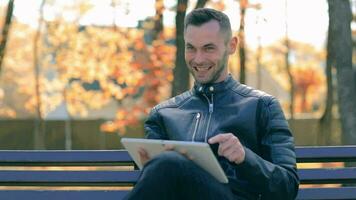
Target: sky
[(307, 19)]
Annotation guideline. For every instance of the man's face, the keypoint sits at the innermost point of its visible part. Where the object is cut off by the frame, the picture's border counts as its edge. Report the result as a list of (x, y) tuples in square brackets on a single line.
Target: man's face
[(206, 53)]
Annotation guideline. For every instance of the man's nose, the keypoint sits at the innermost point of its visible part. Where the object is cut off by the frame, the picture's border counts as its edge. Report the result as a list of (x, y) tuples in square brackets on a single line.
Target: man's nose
[(199, 57)]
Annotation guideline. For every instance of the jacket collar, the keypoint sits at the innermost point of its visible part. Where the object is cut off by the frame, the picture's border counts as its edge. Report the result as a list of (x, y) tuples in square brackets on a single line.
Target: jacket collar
[(211, 88)]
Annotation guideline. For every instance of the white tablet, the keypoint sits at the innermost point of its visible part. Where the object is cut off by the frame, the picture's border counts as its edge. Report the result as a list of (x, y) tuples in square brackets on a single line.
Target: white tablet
[(200, 152)]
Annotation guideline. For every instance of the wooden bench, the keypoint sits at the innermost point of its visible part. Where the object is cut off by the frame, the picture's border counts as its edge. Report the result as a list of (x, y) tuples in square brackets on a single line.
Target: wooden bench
[(110, 174)]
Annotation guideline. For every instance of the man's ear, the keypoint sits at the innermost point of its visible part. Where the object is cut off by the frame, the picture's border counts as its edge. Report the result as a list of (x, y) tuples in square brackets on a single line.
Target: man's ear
[(233, 45)]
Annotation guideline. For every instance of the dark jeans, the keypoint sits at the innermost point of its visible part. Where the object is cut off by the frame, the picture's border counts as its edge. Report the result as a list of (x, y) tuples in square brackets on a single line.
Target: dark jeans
[(172, 176)]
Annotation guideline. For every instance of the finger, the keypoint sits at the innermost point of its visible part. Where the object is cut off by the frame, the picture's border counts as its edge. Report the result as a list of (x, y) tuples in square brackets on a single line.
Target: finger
[(183, 152), (229, 152), (142, 152), (230, 143), (144, 157), (219, 138), (237, 157), (234, 155), (168, 147), (190, 157)]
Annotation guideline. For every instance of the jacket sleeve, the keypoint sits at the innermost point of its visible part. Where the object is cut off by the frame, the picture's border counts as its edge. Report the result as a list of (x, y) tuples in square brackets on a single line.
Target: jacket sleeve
[(274, 171), (153, 126)]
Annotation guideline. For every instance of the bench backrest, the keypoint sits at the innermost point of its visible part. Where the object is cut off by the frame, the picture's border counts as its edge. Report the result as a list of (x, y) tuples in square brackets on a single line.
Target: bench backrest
[(109, 174), (339, 175)]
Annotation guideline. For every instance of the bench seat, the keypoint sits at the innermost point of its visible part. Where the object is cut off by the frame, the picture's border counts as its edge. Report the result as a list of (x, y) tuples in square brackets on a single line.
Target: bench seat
[(108, 182)]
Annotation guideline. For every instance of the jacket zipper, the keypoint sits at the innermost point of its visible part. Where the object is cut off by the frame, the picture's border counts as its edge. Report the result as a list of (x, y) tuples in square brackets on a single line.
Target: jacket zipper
[(211, 110), (197, 119)]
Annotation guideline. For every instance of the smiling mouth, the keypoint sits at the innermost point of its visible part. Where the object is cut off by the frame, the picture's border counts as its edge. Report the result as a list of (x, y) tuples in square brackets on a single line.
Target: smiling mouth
[(202, 69)]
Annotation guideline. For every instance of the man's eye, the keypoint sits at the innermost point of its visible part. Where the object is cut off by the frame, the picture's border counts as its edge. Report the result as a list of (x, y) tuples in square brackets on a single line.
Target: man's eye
[(209, 48), (189, 48)]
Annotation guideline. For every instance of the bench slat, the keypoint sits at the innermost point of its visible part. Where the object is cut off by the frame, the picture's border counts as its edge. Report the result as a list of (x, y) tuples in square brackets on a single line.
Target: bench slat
[(304, 154), (32, 177), (333, 175), (67, 178), (326, 154), (327, 193), (62, 158), (63, 194), (304, 193)]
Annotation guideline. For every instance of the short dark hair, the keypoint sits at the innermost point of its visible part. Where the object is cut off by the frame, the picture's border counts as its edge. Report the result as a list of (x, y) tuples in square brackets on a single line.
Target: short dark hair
[(201, 16)]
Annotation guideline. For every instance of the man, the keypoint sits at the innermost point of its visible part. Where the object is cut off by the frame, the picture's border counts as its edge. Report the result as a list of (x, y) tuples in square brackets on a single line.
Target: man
[(253, 142)]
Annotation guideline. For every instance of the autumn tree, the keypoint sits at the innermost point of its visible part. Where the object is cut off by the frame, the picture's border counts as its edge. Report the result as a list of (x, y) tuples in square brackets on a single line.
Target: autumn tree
[(288, 65), (340, 16), (244, 5), (180, 73), (305, 60), (4, 109), (242, 43), (158, 19), (120, 71), (155, 59), (39, 131), (17, 75), (5, 31), (91, 65), (326, 120), (307, 81)]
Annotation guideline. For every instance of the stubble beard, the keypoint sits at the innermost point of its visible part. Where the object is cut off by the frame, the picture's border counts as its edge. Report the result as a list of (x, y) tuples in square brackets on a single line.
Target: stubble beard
[(222, 64)]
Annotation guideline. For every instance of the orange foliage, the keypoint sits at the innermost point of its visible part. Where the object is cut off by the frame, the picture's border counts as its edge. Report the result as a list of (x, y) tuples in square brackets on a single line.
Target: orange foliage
[(17, 76), (88, 67), (218, 5), (305, 62), (307, 81), (157, 63), (125, 68)]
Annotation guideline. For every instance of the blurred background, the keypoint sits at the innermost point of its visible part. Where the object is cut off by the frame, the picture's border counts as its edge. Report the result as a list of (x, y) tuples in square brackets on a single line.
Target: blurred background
[(82, 74)]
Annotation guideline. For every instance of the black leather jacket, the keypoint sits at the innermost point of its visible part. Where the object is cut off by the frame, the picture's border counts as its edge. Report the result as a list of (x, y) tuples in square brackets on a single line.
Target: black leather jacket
[(269, 169)]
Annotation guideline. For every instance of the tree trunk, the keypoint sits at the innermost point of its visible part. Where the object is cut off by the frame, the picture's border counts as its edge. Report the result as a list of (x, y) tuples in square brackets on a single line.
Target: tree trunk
[(242, 51), (180, 72), (67, 125), (340, 17), (158, 19), (290, 78), (287, 64), (325, 122), (5, 31), (201, 3), (114, 5), (259, 65), (304, 100), (39, 139)]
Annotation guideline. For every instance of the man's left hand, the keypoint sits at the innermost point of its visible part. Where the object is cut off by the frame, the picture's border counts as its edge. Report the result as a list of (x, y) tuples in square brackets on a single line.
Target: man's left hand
[(229, 147)]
